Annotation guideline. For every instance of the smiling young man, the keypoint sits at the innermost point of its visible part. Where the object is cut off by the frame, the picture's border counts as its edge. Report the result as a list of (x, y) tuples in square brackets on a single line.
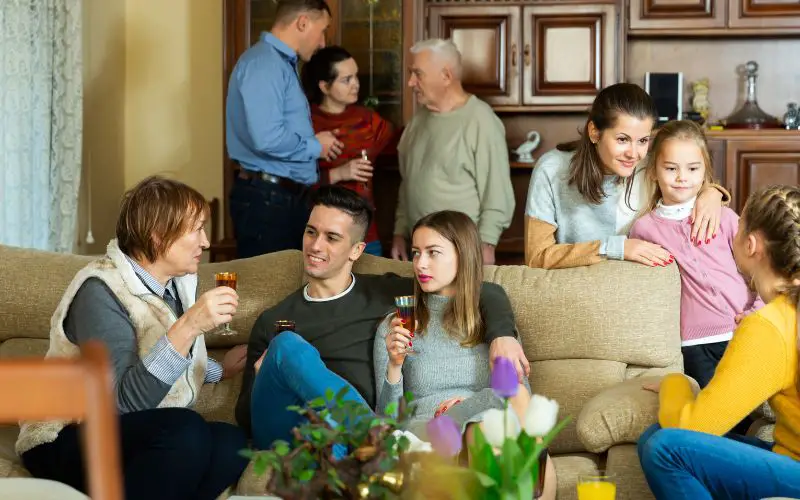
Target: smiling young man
[(336, 316)]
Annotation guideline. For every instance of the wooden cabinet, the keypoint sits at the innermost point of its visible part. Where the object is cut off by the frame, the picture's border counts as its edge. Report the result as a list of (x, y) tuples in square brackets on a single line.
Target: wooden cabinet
[(714, 17), (688, 14), (538, 57), (488, 38), (753, 160)]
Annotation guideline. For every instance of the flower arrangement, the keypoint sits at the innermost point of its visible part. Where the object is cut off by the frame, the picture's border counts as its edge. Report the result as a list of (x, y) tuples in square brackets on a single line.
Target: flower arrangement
[(362, 458), (504, 456)]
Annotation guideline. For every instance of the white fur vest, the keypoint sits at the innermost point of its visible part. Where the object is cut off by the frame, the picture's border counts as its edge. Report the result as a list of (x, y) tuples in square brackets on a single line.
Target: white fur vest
[(151, 318)]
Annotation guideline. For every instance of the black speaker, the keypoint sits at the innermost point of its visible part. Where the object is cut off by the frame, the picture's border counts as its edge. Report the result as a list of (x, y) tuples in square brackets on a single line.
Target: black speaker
[(666, 89)]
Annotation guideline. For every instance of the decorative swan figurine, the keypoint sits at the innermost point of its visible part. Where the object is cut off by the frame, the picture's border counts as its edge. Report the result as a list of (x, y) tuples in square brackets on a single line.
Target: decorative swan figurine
[(525, 151)]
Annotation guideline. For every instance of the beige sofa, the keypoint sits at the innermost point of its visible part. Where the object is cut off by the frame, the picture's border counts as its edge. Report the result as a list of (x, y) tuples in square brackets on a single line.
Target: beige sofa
[(591, 335)]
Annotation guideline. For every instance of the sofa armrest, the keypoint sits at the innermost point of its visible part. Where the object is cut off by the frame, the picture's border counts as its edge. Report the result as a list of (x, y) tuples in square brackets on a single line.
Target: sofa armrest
[(618, 415)]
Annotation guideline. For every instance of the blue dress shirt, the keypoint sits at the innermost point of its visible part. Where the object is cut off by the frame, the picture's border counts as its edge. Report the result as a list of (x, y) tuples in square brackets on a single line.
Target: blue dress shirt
[(268, 120)]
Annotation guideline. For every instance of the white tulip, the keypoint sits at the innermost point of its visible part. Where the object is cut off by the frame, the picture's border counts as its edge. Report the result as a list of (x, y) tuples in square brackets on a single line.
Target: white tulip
[(495, 429), (541, 416)]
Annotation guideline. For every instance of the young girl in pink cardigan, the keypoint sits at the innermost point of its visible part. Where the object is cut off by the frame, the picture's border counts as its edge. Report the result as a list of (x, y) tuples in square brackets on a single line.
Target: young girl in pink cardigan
[(714, 295)]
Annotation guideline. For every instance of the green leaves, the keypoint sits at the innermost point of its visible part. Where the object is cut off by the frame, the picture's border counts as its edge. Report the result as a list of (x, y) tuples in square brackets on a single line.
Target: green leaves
[(306, 466)]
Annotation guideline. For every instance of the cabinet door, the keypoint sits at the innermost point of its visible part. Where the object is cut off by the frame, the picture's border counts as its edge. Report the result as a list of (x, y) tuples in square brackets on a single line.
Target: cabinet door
[(488, 39), (677, 14), (755, 164), (570, 53), (764, 14)]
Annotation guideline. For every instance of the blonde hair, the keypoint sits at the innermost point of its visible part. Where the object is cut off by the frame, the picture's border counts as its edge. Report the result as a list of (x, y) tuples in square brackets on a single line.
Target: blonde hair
[(679, 130), (444, 50), (775, 213), (462, 317)]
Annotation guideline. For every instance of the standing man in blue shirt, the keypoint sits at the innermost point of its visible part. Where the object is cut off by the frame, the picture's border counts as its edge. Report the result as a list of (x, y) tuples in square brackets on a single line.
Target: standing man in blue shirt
[(269, 133)]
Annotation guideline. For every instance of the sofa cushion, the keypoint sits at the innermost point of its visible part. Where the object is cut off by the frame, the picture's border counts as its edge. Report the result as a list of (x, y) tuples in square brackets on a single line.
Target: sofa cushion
[(623, 462), (33, 282), (569, 468), (617, 311), (572, 382), (618, 415)]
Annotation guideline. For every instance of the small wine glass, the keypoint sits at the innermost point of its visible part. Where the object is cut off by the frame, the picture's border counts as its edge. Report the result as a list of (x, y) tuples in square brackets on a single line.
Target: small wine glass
[(229, 280), (406, 311)]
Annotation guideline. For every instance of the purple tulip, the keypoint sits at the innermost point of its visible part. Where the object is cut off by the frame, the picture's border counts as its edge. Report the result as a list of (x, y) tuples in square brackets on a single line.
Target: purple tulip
[(445, 436), (504, 378)]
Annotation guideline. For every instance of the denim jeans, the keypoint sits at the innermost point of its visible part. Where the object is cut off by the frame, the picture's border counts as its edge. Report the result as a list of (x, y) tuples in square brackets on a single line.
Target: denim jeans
[(292, 373), (266, 217), (681, 464), (166, 453)]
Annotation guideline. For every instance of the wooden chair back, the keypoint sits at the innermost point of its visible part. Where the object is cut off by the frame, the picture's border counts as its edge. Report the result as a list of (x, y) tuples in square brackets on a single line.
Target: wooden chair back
[(70, 389)]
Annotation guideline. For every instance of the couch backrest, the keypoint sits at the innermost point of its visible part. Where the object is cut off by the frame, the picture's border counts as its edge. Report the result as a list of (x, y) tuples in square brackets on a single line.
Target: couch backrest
[(583, 329)]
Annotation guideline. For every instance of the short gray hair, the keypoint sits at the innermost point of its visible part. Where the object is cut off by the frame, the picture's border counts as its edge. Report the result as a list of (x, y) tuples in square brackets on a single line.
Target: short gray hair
[(444, 50)]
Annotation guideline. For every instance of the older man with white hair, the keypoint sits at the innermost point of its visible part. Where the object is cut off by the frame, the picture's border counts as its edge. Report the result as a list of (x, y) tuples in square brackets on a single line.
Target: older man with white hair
[(453, 153)]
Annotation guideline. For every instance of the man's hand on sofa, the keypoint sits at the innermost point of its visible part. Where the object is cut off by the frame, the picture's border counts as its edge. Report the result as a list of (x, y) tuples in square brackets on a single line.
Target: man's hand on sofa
[(510, 348), (233, 361)]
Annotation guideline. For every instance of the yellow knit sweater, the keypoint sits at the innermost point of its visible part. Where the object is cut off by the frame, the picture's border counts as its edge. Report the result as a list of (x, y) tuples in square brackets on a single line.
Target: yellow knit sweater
[(759, 364)]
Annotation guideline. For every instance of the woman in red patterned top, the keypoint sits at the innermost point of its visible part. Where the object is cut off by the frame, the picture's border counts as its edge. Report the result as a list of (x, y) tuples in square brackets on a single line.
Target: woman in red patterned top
[(330, 80)]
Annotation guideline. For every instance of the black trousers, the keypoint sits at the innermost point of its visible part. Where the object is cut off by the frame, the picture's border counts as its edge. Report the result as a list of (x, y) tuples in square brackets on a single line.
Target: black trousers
[(166, 453), (700, 362), (267, 217)]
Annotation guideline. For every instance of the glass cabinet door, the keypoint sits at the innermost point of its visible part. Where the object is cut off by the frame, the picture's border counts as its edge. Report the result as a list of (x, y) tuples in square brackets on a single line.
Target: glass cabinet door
[(371, 30)]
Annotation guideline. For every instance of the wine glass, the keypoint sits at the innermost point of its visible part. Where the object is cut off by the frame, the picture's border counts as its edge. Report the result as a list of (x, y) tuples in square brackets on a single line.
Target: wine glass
[(229, 280), (406, 311)]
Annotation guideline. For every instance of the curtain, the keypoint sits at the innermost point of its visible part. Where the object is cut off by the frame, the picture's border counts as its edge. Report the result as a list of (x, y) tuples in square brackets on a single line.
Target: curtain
[(41, 100)]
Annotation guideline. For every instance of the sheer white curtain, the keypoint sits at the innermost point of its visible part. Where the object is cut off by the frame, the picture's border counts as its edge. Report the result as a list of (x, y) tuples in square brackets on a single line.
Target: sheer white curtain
[(41, 118)]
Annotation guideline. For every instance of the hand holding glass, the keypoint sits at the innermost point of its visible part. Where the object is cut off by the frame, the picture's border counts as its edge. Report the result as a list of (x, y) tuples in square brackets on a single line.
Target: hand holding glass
[(406, 311), (229, 280)]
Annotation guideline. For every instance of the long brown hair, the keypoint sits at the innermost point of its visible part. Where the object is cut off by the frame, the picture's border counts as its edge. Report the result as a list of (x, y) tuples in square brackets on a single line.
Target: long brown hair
[(775, 213), (586, 169), (679, 130), (462, 318)]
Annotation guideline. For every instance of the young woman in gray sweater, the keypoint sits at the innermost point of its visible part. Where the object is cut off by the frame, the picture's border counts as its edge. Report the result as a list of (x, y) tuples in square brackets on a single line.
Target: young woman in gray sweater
[(449, 371)]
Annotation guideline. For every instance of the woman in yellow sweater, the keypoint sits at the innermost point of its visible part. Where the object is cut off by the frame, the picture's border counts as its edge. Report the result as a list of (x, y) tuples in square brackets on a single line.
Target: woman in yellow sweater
[(686, 456)]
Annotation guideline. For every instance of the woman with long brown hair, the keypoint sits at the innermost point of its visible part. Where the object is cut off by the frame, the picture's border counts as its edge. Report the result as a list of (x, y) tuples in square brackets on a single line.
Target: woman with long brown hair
[(449, 372), (584, 195)]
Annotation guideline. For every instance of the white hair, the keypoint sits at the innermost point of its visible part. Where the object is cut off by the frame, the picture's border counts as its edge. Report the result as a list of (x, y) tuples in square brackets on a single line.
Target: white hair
[(444, 50)]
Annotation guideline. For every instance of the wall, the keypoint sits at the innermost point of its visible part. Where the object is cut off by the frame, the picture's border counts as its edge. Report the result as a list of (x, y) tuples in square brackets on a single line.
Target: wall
[(153, 101)]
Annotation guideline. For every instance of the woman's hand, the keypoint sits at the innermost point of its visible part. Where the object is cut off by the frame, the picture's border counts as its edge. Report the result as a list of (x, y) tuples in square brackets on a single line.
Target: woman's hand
[(214, 308), (647, 253), (446, 405), (233, 361), (397, 342), (706, 215), (356, 169)]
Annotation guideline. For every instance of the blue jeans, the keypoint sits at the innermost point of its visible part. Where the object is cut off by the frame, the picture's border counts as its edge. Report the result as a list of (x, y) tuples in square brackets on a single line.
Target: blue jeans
[(292, 373), (266, 217), (681, 464), (374, 248)]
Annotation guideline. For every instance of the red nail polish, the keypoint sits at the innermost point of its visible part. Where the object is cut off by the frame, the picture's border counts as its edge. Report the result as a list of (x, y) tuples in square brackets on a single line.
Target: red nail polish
[(409, 344), (714, 235), (412, 335), (708, 241)]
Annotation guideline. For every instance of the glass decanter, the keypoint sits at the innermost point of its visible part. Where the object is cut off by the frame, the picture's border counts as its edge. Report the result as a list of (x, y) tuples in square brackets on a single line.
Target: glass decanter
[(750, 115)]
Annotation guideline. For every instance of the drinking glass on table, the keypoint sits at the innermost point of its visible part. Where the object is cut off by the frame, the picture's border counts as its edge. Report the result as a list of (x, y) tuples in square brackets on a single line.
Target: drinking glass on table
[(406, 311), (229, 280), (596, 487)]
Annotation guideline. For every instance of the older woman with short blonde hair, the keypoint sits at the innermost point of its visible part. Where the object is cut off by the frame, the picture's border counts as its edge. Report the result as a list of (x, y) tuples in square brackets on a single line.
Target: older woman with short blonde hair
[(139, 300)]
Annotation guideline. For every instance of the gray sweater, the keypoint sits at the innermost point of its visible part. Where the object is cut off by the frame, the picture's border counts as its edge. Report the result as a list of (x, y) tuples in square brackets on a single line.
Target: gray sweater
[(441, 369), (553, 200)]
